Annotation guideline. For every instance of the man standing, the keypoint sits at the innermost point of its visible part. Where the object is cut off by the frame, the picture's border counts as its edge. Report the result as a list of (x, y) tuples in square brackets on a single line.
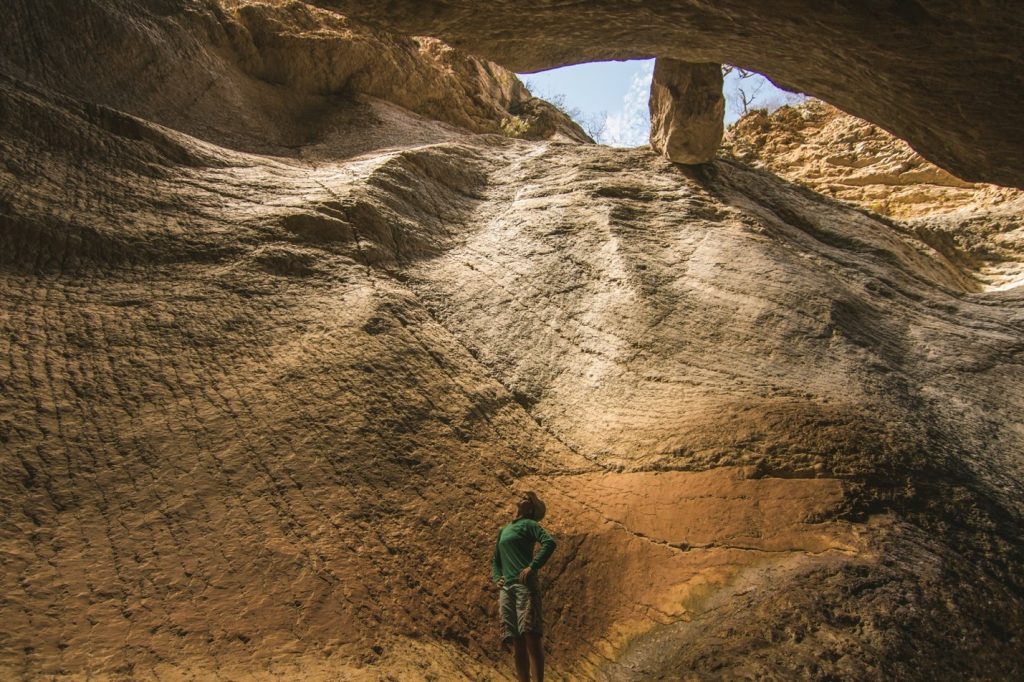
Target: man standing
[(514, 568)]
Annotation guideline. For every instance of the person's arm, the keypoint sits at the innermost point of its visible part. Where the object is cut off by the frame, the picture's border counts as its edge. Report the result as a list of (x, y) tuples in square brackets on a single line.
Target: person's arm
[(547, 546), (496, 573)]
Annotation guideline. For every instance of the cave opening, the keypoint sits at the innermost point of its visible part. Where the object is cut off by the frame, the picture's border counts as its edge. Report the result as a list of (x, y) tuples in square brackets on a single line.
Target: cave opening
[(608, 99), (288, 318)]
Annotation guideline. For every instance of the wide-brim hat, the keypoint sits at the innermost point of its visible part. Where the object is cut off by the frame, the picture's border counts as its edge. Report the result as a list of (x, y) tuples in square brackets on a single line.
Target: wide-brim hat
[(539, 508)]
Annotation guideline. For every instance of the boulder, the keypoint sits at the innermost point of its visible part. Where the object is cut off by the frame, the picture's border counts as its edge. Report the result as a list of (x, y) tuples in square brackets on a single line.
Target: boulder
[(687, 109)]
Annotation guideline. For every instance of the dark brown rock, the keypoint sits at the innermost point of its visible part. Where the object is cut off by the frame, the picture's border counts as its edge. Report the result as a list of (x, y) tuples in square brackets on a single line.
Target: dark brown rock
[(687, 110)]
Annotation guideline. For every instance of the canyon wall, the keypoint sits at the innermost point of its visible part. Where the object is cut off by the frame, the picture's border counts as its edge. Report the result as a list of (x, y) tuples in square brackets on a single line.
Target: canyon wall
[(267, 76), (280, 347), (980, 227)]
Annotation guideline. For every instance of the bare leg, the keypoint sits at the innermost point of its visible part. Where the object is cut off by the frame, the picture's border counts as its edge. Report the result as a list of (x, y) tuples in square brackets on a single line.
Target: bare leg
[(536, 650), (522, 659)]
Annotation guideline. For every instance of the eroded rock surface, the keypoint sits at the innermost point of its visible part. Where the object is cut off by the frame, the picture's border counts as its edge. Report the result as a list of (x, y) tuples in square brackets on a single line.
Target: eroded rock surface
[(263, 407), (687, 110), (980, 227), (943, 75), (264, 76)]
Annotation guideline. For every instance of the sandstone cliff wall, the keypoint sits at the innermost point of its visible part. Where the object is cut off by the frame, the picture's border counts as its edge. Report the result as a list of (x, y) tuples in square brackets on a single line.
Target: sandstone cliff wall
[(265, 76), (977, 226), (265, 398)]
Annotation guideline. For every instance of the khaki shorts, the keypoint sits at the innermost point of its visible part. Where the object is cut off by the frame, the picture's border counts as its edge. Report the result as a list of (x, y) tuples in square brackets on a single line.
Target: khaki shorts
[(519, 606)]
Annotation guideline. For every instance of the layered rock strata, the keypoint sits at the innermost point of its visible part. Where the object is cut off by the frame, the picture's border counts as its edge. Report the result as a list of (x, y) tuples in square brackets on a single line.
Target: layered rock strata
[(687, 111), (263, 407), (943, 75), (978, 226)]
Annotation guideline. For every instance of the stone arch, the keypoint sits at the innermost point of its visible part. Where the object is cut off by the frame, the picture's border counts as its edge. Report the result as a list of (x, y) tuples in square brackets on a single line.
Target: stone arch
[(942, 75)]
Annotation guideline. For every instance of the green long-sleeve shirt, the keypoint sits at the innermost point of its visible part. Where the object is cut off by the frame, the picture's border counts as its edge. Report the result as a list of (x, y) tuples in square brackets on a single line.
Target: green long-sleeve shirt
[(514, 550)]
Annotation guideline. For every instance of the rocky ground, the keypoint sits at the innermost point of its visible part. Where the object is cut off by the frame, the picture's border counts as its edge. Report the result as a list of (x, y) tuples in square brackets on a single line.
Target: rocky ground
[(268, 390)]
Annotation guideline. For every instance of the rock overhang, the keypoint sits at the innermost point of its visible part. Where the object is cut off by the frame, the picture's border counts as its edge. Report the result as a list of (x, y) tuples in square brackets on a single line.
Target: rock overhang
[(943, 76)]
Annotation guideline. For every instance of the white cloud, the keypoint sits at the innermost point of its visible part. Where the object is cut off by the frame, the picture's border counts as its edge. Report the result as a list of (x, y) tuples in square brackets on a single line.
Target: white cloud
[(631, 125)]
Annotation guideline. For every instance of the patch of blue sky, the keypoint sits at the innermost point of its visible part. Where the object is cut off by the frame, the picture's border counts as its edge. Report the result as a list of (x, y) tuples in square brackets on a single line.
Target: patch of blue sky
[(610, 98)]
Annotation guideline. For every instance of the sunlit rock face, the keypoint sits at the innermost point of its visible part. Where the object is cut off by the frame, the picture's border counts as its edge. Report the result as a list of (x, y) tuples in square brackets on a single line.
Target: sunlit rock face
[(275, 363), (268, 75), (687, 110), (977, 226), (943, 74)]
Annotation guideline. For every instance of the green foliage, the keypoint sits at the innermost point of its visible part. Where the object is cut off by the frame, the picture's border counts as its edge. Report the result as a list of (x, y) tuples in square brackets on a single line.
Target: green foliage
[(515, 126), (593, 125), (558, 102)]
